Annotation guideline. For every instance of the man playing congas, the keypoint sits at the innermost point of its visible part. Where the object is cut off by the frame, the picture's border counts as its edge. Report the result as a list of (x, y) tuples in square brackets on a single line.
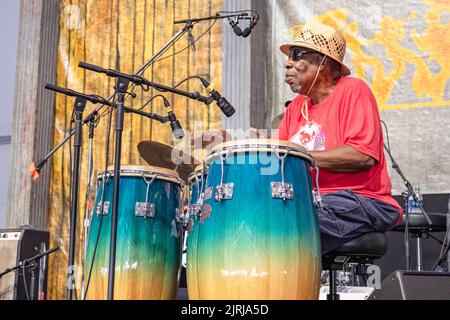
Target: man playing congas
[(336, 118)]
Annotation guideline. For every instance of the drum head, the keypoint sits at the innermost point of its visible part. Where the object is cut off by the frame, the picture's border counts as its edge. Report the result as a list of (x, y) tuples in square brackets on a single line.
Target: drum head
[(259, 145), (146, 171), (198, 172)]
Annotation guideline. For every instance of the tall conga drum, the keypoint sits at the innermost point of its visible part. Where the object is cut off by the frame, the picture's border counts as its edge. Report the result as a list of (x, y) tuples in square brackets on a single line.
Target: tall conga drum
[(257, 234), (149, 235)]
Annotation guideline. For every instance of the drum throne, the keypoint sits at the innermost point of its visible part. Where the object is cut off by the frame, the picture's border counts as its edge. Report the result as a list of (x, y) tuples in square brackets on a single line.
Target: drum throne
[(359, 252)]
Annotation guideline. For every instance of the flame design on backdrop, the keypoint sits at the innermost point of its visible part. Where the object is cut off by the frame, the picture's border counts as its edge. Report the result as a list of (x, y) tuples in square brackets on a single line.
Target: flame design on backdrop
[(406, 60)]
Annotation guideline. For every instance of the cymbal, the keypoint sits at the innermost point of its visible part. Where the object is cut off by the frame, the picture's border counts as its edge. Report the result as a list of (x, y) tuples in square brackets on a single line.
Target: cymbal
[(163, 155)]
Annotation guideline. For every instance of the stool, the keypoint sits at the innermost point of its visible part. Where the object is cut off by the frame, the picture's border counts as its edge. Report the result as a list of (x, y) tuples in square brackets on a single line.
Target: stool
[(419, 228), (362, 250)]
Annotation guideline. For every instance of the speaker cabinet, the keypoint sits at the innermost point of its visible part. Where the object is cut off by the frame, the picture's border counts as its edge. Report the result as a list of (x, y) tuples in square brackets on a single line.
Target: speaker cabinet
[(16, 245), (414, 285)]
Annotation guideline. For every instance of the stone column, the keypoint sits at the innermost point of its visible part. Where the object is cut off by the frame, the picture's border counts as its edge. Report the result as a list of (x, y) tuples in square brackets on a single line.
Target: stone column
[(245, 68), (33, 117)]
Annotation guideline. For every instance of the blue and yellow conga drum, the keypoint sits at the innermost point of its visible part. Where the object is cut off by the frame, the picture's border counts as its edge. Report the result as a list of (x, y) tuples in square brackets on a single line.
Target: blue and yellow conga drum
[(149, 235), (257, 236)]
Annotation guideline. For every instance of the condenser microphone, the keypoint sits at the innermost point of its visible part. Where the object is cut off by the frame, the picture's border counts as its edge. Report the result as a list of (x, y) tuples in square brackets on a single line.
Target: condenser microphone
[(248, 30), (223, 103), (174, 123), (237, 30)]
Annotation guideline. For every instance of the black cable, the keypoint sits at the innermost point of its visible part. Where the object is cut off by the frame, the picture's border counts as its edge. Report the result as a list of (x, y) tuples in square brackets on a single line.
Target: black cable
[(239, 11), (190, 45), (406, 235), (25, 281), (150, 100), (189, 78)]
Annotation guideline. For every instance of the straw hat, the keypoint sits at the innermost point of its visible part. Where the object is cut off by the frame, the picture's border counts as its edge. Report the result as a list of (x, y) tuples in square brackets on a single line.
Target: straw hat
[(322, 38)]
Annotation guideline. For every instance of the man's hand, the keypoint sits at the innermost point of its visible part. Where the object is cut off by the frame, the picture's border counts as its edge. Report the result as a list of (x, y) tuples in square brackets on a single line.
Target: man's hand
[(209, 139)]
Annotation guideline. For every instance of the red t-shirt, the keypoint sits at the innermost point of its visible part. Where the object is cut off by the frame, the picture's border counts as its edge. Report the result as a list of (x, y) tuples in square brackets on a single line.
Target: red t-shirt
[(348, 116)]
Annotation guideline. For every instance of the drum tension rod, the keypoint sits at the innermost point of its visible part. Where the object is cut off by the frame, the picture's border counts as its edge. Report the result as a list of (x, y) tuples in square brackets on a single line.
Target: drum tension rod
[(282, 190), (145, 209), (224, 191)]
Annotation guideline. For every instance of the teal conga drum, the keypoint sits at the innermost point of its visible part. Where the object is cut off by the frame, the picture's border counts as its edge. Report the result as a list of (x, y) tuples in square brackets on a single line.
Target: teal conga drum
[(197, 184), (149, 235), (258, 235)]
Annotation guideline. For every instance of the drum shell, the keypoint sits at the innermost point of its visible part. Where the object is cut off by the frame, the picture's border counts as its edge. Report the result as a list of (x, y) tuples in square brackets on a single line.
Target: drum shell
[(254, 246), (148, 253)]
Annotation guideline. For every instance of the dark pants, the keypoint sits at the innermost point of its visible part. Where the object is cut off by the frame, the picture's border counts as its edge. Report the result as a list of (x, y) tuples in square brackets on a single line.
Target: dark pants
[(346, 215)]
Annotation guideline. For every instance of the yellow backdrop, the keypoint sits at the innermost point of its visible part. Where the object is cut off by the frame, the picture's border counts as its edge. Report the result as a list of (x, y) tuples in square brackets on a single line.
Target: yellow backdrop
[(123, 35)]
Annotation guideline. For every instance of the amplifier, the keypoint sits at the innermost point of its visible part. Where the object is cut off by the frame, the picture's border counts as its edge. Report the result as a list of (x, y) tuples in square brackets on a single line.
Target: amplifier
[(414, 285), (16, 245)]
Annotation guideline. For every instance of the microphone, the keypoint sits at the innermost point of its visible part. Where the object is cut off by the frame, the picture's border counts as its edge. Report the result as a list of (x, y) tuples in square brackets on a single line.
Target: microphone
[(237, 30), (174, 123), (223, 104), (248, 30)]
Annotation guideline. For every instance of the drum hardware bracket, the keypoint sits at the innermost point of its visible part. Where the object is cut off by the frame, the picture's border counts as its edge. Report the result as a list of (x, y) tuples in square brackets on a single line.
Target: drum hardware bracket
[(224, 191), (182, 217), (281, 190), (317, 198), (144, 209), (106, 205), (195, 210), (207, 194)]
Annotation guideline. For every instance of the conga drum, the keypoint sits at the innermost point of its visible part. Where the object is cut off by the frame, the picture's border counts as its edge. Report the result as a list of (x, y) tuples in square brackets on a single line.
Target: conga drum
[(257, 234), (149, 235)]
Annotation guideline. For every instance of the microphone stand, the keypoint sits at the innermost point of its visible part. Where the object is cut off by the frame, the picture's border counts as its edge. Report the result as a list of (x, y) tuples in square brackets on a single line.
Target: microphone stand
[(92, 125), (121, 88), (409, 192), (80, 105), (217, 16), (30, 263)]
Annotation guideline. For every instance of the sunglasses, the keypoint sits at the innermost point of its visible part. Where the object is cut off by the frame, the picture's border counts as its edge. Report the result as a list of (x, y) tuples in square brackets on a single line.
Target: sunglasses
[(297, 54)]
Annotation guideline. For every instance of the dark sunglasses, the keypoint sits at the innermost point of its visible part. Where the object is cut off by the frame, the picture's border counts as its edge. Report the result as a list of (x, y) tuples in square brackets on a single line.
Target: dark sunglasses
[(297, 54)]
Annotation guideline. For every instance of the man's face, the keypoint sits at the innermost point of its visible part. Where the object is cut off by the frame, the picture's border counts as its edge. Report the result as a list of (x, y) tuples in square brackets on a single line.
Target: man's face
[(300, 73)]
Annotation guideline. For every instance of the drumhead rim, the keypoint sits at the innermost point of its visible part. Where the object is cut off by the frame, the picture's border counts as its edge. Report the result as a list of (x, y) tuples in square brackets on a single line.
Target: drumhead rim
[(255, 145), (147, 170), (264, 142), (199, 171)]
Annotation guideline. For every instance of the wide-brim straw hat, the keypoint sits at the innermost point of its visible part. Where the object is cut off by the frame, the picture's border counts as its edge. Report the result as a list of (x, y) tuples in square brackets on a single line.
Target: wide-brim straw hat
[(321, 38)]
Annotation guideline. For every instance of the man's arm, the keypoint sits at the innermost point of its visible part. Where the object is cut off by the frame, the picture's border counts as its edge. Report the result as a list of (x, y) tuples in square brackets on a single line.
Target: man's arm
[(343, 159)]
